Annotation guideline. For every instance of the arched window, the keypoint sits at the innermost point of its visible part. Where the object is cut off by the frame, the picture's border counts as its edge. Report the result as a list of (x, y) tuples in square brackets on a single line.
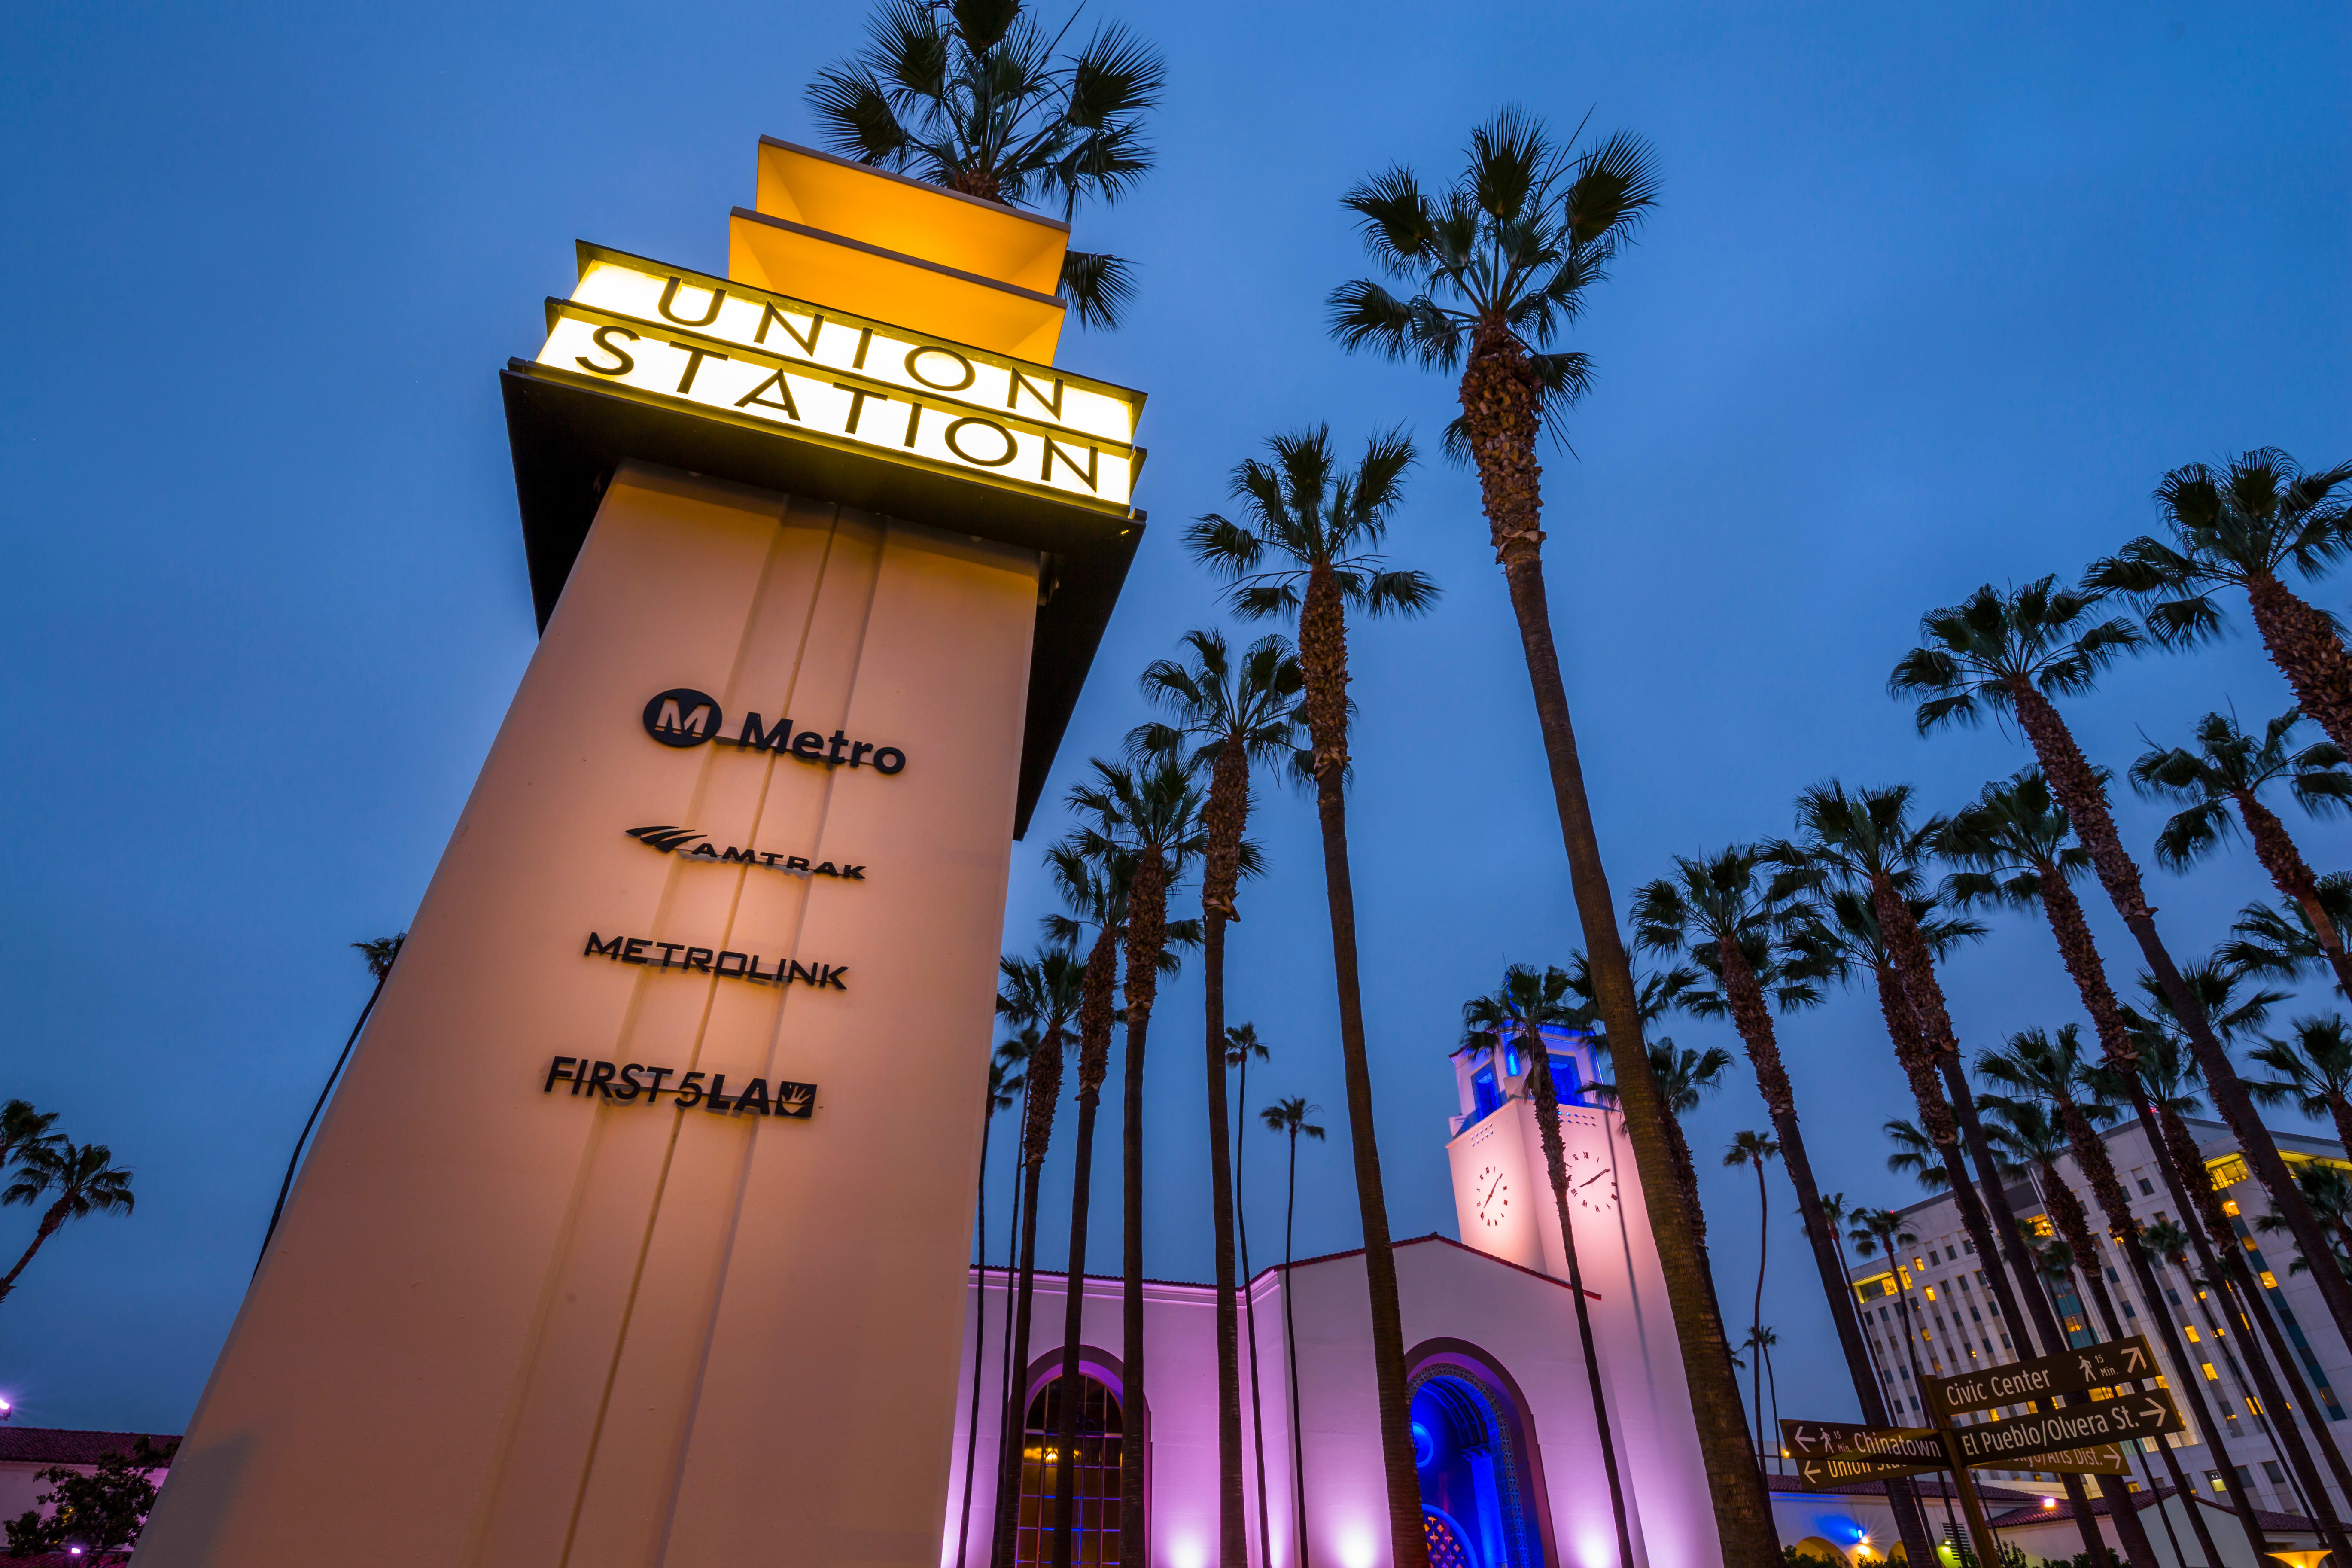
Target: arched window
[(1101, 1453), (1474, 1482)]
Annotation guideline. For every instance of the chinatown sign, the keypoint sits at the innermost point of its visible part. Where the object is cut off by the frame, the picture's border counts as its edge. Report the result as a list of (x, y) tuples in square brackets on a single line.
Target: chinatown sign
[(731, 351)]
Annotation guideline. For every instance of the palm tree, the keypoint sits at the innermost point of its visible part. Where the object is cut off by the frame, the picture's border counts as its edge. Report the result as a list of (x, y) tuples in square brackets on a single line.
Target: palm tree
[(1754, 1149), (1289, 1117), (1498, 263), (2242, 528), (2330, 1195), (1223, 716), (1521, 1007), (1305, 548), (2010, 654), (2052, 1119), (2314, 1072), (977, 98), (86, 1180), (1877, 1230), (1003, 1080), (1147, 819), (2227, 772), (1243, 1045), (379, 955), (1759, 1342), (1735, 926), (1045, 992), (1686, 1077)]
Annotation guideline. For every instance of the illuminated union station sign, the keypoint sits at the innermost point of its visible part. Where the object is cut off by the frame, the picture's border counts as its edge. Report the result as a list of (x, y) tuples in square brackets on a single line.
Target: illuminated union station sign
[(744, 354)]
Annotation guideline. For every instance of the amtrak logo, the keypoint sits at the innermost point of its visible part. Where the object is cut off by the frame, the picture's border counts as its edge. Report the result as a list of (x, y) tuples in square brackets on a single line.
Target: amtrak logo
[(692, 844)]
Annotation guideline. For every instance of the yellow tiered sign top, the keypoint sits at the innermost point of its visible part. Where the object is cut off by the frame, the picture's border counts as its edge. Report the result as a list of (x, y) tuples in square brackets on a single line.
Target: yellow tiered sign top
[(866, 312)]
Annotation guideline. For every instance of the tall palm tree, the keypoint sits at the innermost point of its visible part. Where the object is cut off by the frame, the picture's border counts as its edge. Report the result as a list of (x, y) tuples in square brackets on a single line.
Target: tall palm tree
[(1288, 1118), (1242, 1046), (1755, 1149), (2314, 1072), (1737, 926), (1002, 1081), (1222, 716), (2246, 526), (977, 97), (2009, 654), (2053, 1117), (85, 1179), (1306, 545), (1758, 1343), (1497, 263), (1045, 992), (2227, 772), (379, 955), (1526, 1001), (1148, 819)]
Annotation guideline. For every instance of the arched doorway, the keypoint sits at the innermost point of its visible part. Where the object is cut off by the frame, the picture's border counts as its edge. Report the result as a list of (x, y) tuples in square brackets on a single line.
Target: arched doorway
[(1476, 1501), (1101, 1451)]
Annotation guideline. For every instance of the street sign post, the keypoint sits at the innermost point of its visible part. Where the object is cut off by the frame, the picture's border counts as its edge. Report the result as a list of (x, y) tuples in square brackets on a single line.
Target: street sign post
[(2071, 1372)]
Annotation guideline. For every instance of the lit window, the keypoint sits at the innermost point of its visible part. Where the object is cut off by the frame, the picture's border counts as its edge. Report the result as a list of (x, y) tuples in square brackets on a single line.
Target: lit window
[(1098, 1483), (2210, 1375)]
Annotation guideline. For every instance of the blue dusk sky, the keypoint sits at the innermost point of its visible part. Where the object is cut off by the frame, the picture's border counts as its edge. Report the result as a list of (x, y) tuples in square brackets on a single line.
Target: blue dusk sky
[(1934, 296)]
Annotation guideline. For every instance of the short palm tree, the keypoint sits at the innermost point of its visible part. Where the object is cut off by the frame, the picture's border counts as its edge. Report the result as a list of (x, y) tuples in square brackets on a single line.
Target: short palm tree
[(2246, 526), (1754, 1149), (979, 98), (1242, 1047), (1526, 1002), (79, 1179), (1222, 716), (1686, 1077), (2010, 654), (2282, 943), (1737, 925), (2226, 773), (1288, 1119), (1758, 1343), (1148, 819), (1304, 545), (379, 955), (2314, 1069), (1885, 1230), (1496, 264), (1004, 1080)]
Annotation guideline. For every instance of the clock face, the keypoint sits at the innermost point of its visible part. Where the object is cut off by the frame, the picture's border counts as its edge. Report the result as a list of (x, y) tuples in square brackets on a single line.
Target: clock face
[(1492, 1203), (1590, 1181)]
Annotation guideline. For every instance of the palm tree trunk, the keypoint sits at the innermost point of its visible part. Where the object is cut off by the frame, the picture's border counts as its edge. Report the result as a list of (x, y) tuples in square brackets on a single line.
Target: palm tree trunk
[(1323, 658), (2079, 791), (50, 1222), (1911, 1332), (294, 1161), (1147, 935), (1012, 1275), (1500, 414), (1065, 1478), (2309, 652), (1742, 1512), (1753, 1018), (2292, 874), (2208, 1227), (1249, 1304), (978, 1339), (1290, 1362), (1547, 1097), (1756, 1315), (1016, 1409), (1233, 1506), (1094, 1063)]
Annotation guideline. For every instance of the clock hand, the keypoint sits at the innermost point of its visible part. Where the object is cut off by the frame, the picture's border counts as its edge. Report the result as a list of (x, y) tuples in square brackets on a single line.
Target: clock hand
[(1589, 1180)]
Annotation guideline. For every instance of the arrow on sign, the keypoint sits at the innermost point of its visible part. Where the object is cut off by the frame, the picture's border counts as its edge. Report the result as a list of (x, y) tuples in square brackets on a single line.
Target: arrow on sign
[(2077, 1426)]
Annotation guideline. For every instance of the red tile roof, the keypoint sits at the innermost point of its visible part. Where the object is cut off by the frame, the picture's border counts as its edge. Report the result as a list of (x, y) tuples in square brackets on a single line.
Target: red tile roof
[(65, 1446)]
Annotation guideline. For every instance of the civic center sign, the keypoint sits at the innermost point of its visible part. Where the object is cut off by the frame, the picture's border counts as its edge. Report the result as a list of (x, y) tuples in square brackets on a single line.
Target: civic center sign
[(636, 1233)]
